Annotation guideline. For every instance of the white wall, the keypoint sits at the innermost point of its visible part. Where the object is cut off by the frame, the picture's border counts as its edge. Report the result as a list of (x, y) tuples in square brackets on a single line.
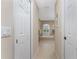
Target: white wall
[(7, 45), (34, 29)]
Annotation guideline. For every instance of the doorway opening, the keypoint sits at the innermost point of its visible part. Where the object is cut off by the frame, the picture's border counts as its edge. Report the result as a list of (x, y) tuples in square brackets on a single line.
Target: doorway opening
[(47, 29)]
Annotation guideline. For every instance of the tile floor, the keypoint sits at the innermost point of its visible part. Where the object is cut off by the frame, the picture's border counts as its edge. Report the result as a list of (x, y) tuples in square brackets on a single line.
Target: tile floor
[(47, 49)]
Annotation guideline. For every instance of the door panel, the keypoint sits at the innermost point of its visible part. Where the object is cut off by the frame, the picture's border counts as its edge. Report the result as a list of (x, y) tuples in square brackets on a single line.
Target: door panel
[(22, 29), (70, 29)]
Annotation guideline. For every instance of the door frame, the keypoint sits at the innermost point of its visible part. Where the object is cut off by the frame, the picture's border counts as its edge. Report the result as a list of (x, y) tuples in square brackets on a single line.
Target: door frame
[(62, 14)]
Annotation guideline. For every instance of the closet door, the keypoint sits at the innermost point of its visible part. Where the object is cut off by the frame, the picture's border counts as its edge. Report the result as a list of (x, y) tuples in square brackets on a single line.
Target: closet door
[(22, 29), (70, 29)]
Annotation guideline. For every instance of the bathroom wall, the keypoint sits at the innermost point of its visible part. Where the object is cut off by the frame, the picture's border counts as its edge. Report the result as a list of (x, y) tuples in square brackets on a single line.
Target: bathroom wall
[(35, 28), (7, 43)]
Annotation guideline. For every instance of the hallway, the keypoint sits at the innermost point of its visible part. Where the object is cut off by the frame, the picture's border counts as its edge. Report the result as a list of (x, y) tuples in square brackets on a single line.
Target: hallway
[(47, 49)]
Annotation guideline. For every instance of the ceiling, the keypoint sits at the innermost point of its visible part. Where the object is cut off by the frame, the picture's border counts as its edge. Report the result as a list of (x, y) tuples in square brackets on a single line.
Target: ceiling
[(45, 3), (46, 9)]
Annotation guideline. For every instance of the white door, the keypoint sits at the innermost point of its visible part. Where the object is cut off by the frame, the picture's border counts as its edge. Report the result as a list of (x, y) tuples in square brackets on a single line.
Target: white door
[(70, 29), (22, 29)]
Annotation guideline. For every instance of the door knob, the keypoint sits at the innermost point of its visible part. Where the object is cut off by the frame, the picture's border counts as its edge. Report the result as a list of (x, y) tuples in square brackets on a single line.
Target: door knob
[(65, 38), (16, 41)]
